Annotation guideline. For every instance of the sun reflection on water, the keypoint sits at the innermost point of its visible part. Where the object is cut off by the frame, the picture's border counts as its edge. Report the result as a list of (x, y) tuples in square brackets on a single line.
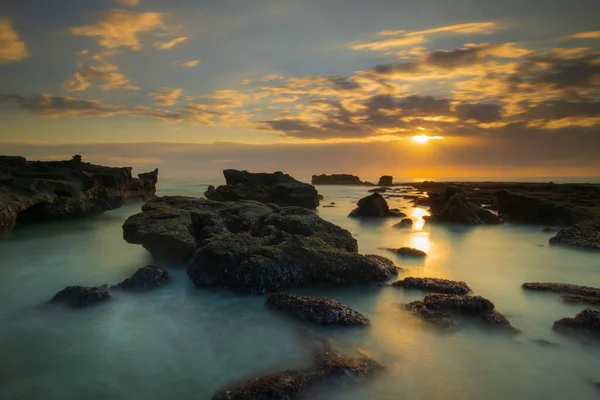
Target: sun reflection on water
[(417, 215)]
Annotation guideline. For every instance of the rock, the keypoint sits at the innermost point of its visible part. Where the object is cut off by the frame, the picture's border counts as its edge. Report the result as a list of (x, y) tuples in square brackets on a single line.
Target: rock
[(386, 180), (277, 188), (151, 177), (145, 278), (377, 190), (321, 310), (291, 384), (252, 247), (573, 298), (563, 288), (81, 296), (36, 190), (404, 223), (436, 285), (550, 230), (585, 235), (407, 252), (439, 309), (336, 179), (375, 205), (534, 210), (332, 203), (586, 322), (453, 206)]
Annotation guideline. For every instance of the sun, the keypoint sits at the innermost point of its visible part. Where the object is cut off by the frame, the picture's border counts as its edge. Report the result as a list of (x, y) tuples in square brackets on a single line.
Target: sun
[(421, 139)]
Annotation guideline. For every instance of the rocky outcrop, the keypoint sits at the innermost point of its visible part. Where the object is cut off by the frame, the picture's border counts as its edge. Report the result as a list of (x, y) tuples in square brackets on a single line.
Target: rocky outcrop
[(277, 188), (81, 296), (407, 252), (404, 223), (337, 179), (587, 322), (292, 384), (375, 206), (252, 247), (436, 285), (35, 190), (378, 190), (535, 210), (386, 180), (145, 278), (585, 235), (571, 293), (321, 310), (440, 308), (453, 206)]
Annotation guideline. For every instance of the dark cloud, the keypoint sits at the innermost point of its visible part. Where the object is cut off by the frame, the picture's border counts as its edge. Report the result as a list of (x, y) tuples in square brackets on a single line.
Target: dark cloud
[(479, 112), (560, 73)]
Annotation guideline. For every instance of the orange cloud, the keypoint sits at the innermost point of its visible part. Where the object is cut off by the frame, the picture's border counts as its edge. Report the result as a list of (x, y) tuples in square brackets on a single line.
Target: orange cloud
[(106, 74), (187, 64), (379, 45), (121, 28), (166, 97), (12, 48), (585, 35), (128, 3), (170, 44)]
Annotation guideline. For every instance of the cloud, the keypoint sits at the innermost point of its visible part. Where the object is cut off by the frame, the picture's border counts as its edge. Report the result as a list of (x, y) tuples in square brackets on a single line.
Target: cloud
[(57, 106), (585, 35), (471, 28), (105, 73), (387, 44), (187, 64), (166, 97), (121, 28), (128, 3), (479, 112), (12, 48), (170, 44)]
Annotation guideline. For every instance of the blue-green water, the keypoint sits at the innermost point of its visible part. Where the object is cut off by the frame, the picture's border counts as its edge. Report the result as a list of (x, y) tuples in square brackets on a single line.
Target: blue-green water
[(181, 342)]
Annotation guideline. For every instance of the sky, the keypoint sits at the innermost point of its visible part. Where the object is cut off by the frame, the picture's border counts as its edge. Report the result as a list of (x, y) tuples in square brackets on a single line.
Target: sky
[(432, 89)]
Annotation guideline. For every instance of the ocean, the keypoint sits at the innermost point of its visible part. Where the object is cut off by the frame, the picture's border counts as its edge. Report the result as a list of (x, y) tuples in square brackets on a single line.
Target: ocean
[(180, 342)]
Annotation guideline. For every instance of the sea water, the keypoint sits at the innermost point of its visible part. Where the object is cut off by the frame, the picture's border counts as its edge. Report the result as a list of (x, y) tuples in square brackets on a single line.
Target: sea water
[(180, 342)]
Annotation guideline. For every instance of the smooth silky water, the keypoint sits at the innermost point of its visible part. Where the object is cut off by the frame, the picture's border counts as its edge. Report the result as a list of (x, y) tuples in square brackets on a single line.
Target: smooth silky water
[(183, 342)]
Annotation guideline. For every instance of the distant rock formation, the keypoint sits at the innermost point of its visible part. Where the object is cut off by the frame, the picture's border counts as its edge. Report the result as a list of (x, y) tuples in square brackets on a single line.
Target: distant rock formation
[(375, 205), (31, 190), (252, 247), (535, 210), (337, 179), (386, 180), (277, 188)]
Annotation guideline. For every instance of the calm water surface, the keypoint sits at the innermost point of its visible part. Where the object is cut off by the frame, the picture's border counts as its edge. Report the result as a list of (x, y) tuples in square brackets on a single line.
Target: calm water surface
[(181, 342)]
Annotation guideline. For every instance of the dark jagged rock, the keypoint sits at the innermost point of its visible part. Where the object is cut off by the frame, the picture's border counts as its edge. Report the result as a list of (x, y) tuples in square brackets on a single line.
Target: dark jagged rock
[(145, 278), (573, 298), (375, 205), (439, 309), (586, 322), (585, 235), (336, 179), (534, 210), (252, 247), (407, 252), (436, 285), (563, 288), (378, 190), (81, 296), (405, 223), (35, 190), (292, 384), (151, 176), (550, 230), (386, 180), (322, 310), (277, 188), (453, 206)]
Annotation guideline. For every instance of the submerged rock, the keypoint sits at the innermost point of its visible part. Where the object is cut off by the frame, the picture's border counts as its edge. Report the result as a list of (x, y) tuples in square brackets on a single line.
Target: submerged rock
[(81, 296), (586, 322), (405, 223), (321, 310), (521, 208), (378, 190), (252, 247), (437, 285), (439, 309), (572, 298), (277, 188), (291, 384), (453, 206), (375, 205), (386, 180), (585, 235), (563, 288), (148, 277), (407, 252), (35, 190)]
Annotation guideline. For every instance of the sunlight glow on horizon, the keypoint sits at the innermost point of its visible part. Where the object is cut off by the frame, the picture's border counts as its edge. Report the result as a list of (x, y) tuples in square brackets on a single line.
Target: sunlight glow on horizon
[(422, 139)]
